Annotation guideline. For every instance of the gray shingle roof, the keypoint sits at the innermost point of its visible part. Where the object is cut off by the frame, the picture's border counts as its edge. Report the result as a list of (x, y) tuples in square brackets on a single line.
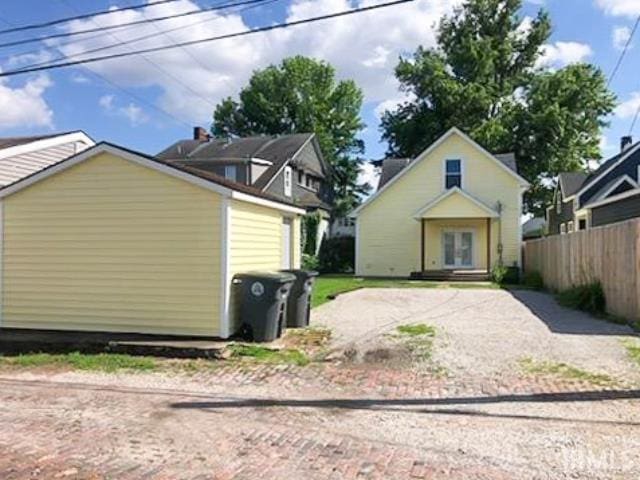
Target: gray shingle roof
[(571, 182), (7, 142), (276, 149), (393, 166), (390, 168)]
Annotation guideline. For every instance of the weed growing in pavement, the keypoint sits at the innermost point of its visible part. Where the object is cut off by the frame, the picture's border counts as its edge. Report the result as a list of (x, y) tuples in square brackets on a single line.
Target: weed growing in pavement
[(564, 370)]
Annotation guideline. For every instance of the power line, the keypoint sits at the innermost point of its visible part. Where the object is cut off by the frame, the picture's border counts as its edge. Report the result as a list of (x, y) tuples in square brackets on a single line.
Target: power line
[(126, 24), (624, 52), (124, 90), (243, 33), (82, 16), (136, 39), (154, 64)]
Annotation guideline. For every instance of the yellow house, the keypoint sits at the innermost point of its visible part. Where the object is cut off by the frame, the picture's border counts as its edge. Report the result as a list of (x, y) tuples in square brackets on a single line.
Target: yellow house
[(114, 240), (453, 209)]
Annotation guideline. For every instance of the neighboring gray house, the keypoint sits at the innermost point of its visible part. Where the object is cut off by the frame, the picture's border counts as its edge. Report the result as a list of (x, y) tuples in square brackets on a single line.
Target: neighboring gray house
[(609, 194), (534, 228), (23, 156), (290, 167)]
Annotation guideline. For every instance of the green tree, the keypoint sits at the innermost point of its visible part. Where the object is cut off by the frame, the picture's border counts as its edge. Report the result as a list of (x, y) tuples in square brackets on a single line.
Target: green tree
[(483, 78), (302, 95)]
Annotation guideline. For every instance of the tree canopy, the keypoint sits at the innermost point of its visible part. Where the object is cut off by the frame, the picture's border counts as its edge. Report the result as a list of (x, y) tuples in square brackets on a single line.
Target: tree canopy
[(301, 95), (484, 77)]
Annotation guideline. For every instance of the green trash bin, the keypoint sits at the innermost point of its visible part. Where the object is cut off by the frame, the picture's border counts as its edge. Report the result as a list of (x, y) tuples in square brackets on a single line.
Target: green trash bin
[(299, 303), (263, 303)]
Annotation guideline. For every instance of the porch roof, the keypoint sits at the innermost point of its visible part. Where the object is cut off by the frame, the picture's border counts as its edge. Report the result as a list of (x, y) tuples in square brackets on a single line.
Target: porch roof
[(456, 203)]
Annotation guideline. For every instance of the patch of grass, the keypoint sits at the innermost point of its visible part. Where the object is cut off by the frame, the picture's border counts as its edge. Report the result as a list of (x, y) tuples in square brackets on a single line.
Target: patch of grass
[(419, 338), (564, 370), (105, 362), (417, 330), (589, 298), (261, 354), (636, 325), (633, 350), (309, 337), (327, 287)]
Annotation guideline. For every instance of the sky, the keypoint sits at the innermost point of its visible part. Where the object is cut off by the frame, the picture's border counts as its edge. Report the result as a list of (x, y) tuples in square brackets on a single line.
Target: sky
[(148, 102)]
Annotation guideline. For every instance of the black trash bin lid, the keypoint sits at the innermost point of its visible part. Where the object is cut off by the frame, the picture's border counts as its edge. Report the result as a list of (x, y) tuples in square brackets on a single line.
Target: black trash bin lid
[(272, 276), (301, 273)]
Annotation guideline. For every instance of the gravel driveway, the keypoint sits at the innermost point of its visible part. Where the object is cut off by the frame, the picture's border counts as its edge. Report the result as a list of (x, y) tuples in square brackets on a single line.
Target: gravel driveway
[(482, 332), (483, 420)]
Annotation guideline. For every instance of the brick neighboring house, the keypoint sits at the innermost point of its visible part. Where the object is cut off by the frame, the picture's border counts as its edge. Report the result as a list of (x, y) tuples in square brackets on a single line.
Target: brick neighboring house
[(290, 167), (609, 194)]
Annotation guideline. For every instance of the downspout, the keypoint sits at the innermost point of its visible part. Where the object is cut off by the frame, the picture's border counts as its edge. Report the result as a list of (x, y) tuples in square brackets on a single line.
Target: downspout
[(500, 247)]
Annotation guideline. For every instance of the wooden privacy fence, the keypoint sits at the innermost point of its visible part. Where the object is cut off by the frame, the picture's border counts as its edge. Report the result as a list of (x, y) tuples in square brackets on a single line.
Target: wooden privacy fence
[(609, 254)]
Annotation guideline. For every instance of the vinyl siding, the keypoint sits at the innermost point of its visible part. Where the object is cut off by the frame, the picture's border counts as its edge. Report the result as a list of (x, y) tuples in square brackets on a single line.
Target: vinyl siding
[(624, 209), (108, 245), (19, 166), (256, 244), (389, 236)]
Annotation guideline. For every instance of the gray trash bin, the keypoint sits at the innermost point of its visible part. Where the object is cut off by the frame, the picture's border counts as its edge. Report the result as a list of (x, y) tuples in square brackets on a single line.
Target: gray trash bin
[(299, 303), (263, 303)]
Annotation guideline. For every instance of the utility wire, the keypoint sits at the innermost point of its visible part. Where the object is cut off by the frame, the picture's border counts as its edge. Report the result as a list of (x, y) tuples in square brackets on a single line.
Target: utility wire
[(154, 64), (124, 90), (136, 40), (624, 52), (60, 46), (126, 24), (278, 26), (80, 17)]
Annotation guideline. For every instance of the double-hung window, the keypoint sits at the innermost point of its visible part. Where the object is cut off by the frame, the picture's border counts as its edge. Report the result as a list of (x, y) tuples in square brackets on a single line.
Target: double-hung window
[(231, 172), (453, 173)]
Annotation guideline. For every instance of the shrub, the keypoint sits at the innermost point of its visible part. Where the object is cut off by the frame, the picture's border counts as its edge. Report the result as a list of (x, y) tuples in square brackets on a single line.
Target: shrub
[(533, 279), (337, 255), (498, 274), (589, 298), (309, 262)]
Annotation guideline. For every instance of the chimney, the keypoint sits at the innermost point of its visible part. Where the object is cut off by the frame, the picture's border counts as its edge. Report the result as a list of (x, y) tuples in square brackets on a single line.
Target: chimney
[(200, 134), (625, 142)]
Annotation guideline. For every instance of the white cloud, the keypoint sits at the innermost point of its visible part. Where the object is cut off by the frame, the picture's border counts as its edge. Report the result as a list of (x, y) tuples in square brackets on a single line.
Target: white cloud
[(364, 47), (391, 104), (620, 37), (628, 108), (131, 112), (78, 78), (560, 54), (627, 8), (25, 107), (368, 174)]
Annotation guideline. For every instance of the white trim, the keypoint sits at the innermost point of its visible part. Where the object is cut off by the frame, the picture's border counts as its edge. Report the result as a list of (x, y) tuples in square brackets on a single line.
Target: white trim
[(47, 143), (426, 153), (628, 153), (266, 203), (287, 173), (261, 161), (615, 198), (617, 183), (490, 212), (570, 226), (225, 260)]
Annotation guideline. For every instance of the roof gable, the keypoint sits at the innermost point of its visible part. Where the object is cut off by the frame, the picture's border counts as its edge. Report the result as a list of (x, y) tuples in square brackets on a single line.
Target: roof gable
[(197, 177), (427, 152), (456, 203)]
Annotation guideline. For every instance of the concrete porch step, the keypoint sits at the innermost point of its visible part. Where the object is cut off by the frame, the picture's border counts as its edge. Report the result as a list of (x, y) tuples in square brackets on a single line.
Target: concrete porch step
[(452, 275)]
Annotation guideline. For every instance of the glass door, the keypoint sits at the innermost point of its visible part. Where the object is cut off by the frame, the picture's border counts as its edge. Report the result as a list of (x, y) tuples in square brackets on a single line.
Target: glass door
[(458, 249)]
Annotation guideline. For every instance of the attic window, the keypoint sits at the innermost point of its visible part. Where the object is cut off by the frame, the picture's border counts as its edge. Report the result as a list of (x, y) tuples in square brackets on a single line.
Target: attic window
[(231, 172), (453, 173), (288, 180)]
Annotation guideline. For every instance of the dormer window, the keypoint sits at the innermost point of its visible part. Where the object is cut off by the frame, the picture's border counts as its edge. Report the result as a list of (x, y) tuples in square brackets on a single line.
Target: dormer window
[(453, 173), (231, 173), (288, 180)]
